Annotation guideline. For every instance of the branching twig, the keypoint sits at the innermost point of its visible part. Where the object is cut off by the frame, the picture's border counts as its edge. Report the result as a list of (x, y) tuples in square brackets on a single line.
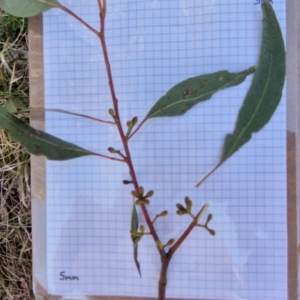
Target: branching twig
[(119, 125), (193, 224)]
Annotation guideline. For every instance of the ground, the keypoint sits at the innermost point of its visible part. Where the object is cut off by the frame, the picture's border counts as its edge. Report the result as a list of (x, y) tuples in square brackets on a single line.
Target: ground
[(15, 205)]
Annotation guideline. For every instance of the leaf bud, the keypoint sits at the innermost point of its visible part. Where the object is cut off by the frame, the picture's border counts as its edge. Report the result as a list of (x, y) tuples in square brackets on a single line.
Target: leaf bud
[(188, 203), (149, 194), (180, 207), (180, 212), (211, 231), (141, 191), (159, 244), (142, 201), (112, 150), (163, 213), (111, 112), (170, 242), (134, 194), (134, 121), (127, 181), (129, 124), (142, 229), (209, 217)]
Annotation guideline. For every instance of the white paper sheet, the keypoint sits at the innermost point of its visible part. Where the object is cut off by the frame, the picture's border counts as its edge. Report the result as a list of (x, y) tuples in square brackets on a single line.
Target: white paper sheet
[(152, 46)]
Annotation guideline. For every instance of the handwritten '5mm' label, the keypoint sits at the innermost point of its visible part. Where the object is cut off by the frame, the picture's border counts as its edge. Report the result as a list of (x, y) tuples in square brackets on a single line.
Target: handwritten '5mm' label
[(67, 277)]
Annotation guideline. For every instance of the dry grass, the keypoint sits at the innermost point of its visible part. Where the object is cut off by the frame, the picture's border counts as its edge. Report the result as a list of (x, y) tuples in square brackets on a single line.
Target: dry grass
[(15, 207)]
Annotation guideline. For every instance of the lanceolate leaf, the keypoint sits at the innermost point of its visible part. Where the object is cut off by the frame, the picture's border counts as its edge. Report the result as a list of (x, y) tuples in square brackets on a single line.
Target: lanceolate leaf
[(38, 142), (184, 95), (265, 91), (134, 227), (26, 8)]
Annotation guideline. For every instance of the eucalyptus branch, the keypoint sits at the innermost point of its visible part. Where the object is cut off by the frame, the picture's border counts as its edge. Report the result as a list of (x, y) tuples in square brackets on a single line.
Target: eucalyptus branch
[(119, 125), (162, 284), (258, 107)]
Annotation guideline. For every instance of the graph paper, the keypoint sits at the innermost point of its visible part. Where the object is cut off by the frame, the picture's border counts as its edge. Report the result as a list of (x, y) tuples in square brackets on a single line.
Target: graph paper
[(152, 46)]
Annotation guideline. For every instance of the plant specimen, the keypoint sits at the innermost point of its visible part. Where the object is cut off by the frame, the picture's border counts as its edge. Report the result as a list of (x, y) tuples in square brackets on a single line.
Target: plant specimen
[(258, 107)]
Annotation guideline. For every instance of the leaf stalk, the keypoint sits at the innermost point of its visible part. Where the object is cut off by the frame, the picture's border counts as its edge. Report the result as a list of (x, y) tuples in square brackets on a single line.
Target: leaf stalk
[(68, 11), (136, 129)]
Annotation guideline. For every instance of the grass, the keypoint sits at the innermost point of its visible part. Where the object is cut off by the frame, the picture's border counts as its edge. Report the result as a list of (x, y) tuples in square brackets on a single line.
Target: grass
[(15, 205)]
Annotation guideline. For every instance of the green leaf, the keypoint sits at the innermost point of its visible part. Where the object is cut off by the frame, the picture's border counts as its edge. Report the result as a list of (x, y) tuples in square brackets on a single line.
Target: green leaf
[(134, 227), (38, 142), (265, 91), (184, 95), (13, 105), (134, 219), (26, 8)]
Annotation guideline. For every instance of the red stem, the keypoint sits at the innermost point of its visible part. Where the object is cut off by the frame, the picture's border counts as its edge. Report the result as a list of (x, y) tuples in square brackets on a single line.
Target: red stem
[(120, 128)]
